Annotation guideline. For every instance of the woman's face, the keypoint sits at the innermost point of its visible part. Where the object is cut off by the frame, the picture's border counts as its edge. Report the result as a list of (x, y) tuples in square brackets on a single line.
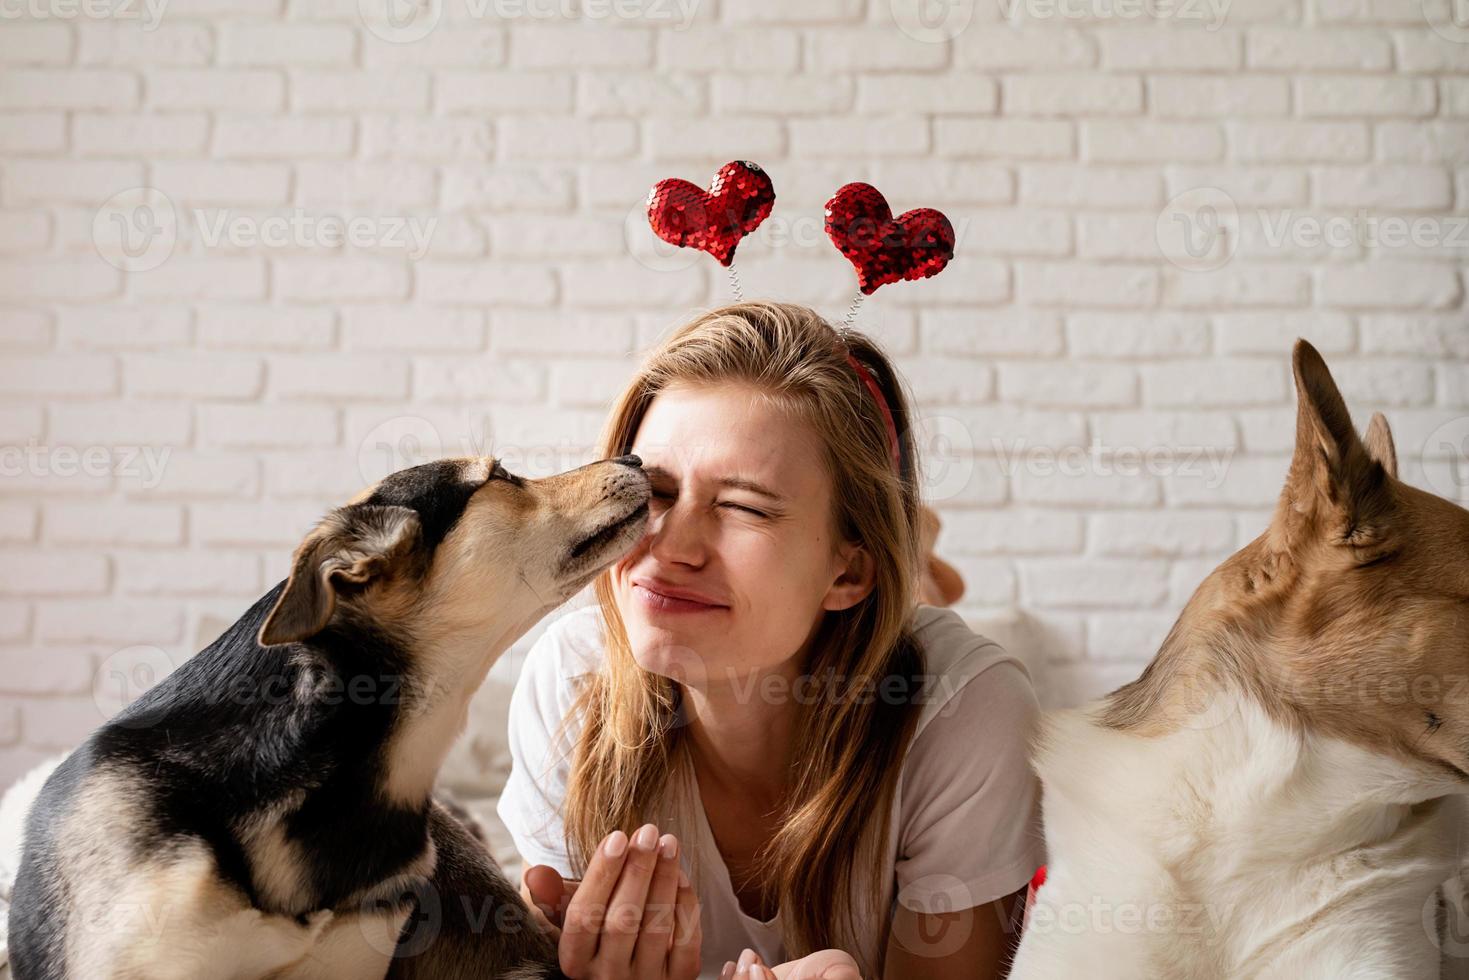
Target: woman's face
[(741, 515)]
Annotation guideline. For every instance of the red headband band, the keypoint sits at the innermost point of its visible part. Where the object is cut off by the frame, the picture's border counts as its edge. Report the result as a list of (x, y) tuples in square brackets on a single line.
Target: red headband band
[(882, 403)]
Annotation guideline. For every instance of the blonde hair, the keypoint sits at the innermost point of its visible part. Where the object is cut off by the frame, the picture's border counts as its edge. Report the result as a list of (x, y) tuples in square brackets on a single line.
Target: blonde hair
[(835, 822)]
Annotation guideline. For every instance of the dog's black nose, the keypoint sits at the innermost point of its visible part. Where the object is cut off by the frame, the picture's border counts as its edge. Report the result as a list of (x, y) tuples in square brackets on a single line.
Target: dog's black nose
[(630, 459)]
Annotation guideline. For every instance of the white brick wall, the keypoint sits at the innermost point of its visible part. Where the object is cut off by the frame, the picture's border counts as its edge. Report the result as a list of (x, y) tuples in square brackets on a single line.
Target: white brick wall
[(169, 432)]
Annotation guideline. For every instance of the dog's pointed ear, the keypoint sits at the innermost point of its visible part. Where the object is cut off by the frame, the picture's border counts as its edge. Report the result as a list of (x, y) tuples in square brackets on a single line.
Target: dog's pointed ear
[(1380, 445), (1333, 486), (349, 548)]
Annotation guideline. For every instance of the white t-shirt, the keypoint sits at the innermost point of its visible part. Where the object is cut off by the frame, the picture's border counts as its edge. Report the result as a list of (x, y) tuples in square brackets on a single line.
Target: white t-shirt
[(966, 825)]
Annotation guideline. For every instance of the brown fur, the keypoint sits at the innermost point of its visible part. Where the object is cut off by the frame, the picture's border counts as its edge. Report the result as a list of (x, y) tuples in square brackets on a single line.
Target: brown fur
[(1347, 617)]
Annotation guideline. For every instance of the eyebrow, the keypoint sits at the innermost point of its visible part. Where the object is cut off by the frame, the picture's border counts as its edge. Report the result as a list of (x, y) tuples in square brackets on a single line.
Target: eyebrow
[(733, 482)]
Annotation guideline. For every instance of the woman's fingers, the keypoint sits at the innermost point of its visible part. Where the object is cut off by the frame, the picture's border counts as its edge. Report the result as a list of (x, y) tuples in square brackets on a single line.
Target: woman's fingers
[(688, 933), (546, 892), (650, 952), (586, 913), (749, 967), (624, 918)]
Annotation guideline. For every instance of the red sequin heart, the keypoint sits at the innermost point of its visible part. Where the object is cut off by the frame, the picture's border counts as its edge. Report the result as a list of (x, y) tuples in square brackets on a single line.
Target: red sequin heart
[(915, 245), (739, 198)]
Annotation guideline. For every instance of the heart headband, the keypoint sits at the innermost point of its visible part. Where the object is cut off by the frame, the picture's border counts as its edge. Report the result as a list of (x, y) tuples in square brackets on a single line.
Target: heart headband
[(915, 245)]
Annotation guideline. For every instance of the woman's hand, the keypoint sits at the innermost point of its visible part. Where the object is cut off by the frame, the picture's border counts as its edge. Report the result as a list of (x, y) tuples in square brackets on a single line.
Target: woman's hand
[(828, 964), (547, 894), (634, 916)]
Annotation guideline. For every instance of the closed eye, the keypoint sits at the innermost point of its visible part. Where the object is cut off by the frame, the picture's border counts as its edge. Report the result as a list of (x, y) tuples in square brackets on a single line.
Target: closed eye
[(748, 510)]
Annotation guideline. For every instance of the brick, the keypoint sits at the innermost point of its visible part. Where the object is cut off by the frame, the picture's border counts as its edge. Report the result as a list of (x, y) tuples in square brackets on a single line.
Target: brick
[(865, 49), (216, 88), (1069, 185), (1081, 385), (1388, 284), (382, 189), (1128, 335), (123, 45), (1392, 188), (1230, 383), (1009, 139), (108, 522), (181, 133), (194, 184), (458, 283), (719, 138), (1271, 142), (1130, 49), (1273, 332), (283, 137), (1009, 532), (247, 426), (47, 671), (1217, 97), (530, 332), (1140, 140), (1078, 284), (1317, 48), (1094, 583), (32, 132), (1238, 283), (67, 89), (755, 94), (1155, 535), (677, 94), (389, 328), (959, 93), (1068, 95), (338, 376), (342, 277), (34, 43), (1431, 335), (559, 46), (191, 376), (346, 91), (721, 48), (892, 136), (1007, 46), (412, 137), (504, 91), (281, 45), (1422, 142), (228, 327), (37, 572), (1356, 96), (526, 138), (186, 573)]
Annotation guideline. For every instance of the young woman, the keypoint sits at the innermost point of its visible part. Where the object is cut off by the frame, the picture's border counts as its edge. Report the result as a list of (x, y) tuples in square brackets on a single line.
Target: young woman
[(756, 743)]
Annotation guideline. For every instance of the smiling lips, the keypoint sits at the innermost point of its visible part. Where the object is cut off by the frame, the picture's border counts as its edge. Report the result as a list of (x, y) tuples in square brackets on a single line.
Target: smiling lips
[(654, 599)]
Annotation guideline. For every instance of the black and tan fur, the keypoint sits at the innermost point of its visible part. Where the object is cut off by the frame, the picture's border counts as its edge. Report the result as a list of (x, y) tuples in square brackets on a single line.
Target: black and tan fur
[(266, 810)]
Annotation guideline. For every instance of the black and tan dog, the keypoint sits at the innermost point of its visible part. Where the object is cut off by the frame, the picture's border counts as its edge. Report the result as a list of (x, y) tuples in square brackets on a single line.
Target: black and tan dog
[(266, 810)]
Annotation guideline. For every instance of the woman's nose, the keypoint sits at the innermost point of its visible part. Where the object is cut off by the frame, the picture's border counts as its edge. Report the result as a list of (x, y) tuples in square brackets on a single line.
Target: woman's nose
[(677, 535)]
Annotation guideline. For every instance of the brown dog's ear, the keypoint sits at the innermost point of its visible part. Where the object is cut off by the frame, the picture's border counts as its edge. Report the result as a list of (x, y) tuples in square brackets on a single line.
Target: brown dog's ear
[(1380, 445), (351, 546), (1333, 485)]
